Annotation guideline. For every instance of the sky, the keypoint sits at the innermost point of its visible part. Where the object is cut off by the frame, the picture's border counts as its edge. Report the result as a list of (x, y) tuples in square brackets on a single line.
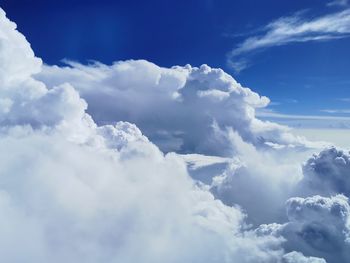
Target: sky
[(128, 132), (300, 76)]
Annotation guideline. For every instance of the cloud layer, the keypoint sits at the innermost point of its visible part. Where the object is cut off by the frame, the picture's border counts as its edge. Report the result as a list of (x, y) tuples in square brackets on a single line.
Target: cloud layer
[(80, 183), (75, 191)]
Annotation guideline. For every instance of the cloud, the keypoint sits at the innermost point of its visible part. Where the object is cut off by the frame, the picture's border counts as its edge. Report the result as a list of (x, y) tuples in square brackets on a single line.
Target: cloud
[(261, 173), (79, 182), (340, 3), (72, 190), (326, 173), (184, 109), (336, 110), (338, 137), (317, 226), (291, 29), (305, 121), (272, 114), (344, 99), (202, 111), (320, 226), (297, 257)]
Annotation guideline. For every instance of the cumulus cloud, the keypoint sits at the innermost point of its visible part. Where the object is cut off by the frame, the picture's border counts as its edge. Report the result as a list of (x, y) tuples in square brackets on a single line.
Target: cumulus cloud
[(297, 257), (72, 190), (79, 182), (258, 181), (184, 109), (327, 173), (319, 226), (197, 110), (292, 29), (64, 202)]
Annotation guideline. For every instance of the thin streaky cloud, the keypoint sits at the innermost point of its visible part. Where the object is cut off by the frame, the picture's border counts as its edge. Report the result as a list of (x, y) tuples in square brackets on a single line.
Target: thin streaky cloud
[(276, 115), (278, 103), (292, 29), (275, 103), (336, 111), (338, 3)]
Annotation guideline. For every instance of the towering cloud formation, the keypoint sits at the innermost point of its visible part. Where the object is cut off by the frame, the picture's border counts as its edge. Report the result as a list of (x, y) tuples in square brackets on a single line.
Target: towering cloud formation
[(76, 189), (183, 109)]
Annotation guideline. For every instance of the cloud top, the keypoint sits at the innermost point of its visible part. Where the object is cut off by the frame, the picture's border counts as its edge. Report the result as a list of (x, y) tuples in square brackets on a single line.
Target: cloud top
[(184, 109)]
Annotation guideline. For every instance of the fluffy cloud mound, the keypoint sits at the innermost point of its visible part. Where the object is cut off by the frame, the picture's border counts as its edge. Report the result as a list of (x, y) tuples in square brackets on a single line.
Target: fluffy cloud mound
[(296, 257), (184, 109), (72, 190), (258, 181), (28, 102), (80, 183), (327, 173), (63, 202), (318, 226)]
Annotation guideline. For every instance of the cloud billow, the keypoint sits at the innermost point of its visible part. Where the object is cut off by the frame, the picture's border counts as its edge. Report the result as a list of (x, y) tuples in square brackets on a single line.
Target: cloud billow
[(72, 190), (317, 226), (80, 183), (327, 173), (184, 109)]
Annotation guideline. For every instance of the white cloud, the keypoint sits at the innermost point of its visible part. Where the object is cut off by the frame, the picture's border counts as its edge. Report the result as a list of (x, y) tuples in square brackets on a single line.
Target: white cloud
[(272, 114), (76, 190), (344, 99), (184, 109), (319, 226), (326, 173), (292, 29), (336, 110), (262, 174), (203, 111), (340, 3), (297, 257), (72, 190), (305, 121), (337, 137)]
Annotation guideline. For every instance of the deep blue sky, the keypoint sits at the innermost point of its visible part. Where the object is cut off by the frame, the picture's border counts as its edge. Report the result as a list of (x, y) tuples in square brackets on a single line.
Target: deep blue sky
[(315, 74)]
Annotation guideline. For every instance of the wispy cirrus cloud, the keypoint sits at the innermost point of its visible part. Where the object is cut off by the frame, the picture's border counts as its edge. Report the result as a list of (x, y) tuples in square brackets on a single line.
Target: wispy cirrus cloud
[(291, 29), (338, 3), (332, 111), (333, 119), (266, 113)]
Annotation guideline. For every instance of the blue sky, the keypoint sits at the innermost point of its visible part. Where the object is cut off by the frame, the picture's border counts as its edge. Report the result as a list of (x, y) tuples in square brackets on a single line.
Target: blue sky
[(301, 77)]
